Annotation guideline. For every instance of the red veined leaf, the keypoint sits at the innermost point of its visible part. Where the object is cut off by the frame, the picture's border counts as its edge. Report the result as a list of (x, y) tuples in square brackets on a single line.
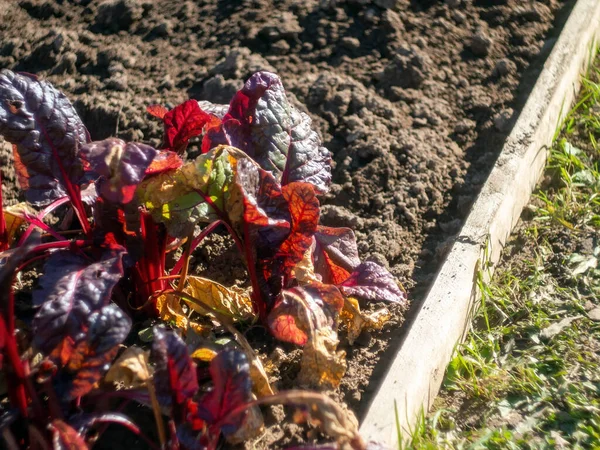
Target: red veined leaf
[(373, 282), (278, 225), (121, 165), (64, 437), (157, 111), (308, 316), (75, 325), (335, 254), (232, 387), (175, 377), (182, 123), (262, 122), (47, 132), (164, 161)]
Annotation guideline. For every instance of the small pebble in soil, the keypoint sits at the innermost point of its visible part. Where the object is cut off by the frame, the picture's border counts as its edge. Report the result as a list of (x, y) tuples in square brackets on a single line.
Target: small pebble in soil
[(480, 44), (504, 67)]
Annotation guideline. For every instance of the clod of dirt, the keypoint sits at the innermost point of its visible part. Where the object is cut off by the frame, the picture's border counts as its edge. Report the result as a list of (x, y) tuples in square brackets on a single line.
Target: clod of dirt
[(116, 15)]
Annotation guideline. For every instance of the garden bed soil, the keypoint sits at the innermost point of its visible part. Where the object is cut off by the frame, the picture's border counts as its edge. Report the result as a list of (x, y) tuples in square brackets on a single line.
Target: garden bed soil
[(413, 98)]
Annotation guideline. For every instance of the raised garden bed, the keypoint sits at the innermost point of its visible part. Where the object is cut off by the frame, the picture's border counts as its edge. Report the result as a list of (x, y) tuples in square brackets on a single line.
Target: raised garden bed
[(414, 99)]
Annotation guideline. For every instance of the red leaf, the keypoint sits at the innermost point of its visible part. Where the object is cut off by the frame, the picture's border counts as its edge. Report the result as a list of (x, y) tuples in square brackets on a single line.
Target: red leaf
[(175, 375), (164, 161), (182, 123), (278, 225), (230, 372), (157, 111)]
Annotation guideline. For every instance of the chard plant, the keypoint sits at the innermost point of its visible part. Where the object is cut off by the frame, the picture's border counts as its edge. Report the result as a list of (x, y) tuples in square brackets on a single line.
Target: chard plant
[(130, 217)]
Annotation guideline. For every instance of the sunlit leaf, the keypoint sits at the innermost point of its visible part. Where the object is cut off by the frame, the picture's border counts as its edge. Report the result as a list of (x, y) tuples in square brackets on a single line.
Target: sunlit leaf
[(130, 370), (182, 123), (262, 123), (234, 301), (373, 282), (357, 321)]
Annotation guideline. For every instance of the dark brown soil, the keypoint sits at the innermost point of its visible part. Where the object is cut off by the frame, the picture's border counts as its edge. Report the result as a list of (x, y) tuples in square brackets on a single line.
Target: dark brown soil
[(413, 97)]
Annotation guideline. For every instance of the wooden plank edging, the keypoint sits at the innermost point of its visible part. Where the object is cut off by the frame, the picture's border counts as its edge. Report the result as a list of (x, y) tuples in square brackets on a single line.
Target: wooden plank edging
[(415, 375)]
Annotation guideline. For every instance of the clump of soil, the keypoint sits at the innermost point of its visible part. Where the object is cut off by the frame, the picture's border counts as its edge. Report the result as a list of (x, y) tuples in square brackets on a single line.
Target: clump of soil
[(414, 98)]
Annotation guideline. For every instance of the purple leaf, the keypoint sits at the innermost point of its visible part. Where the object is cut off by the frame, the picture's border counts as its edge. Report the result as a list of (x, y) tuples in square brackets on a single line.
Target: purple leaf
[(261, 122), (175, 374), (121, 165), (47, 132), (373, 282), (336, 254), (230, 372), (75, 325)]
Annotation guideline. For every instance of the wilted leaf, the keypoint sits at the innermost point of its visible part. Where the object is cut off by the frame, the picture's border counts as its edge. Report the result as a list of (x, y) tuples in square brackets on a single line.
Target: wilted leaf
[(130, 370), (234, 301), (204, 354), (76, 326), (373, 282), (230, 373), (14, 218), (308, 316), (357, 321), (121, 165), (64, 437), (47, 132), (261, 122), (182, 123), (175, 377)]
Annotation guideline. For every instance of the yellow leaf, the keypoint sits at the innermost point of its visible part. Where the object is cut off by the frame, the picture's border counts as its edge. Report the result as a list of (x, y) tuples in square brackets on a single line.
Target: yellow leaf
[(170, 310), (204, 354), (14, 218), (260, 380), (357, 321), (234, 302), (177, 197), (322, 365), (130, 371), (304, 271)]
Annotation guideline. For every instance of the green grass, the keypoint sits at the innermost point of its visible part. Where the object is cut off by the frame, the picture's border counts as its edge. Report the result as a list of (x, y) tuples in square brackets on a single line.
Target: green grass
[(528, 374)]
